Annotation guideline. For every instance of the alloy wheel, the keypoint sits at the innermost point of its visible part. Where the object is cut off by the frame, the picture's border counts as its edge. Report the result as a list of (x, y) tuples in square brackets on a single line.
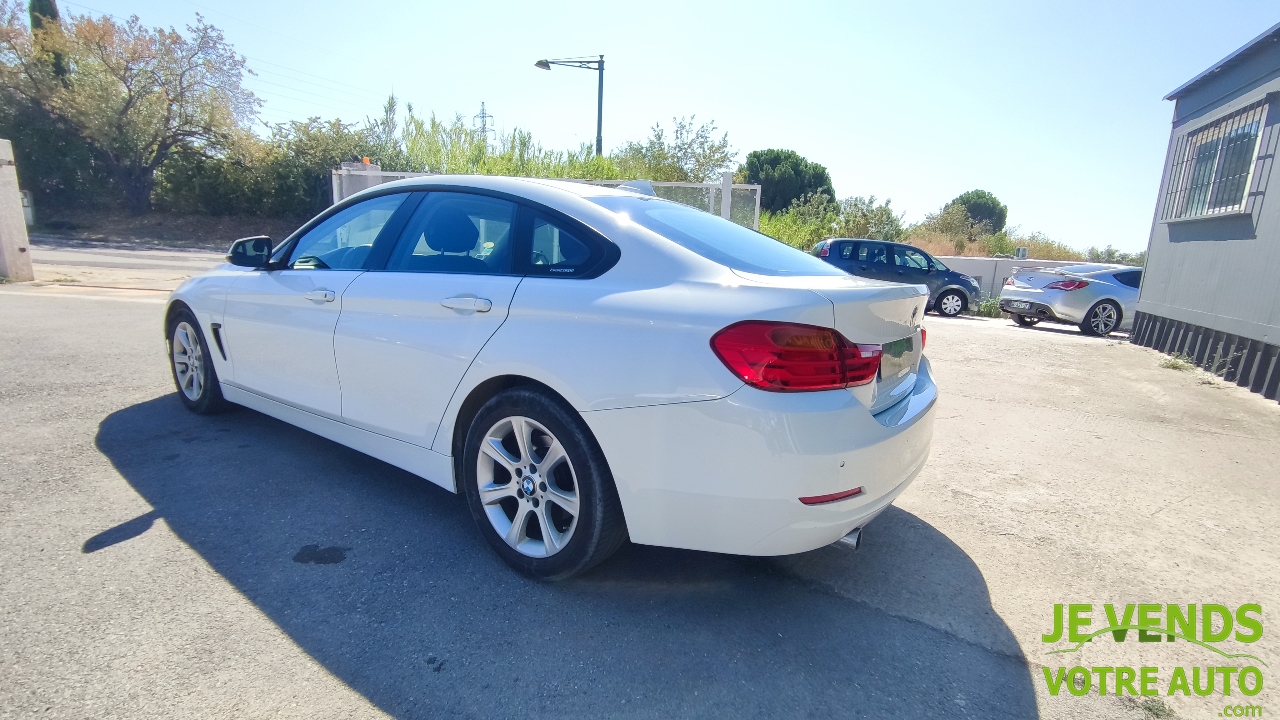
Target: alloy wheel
[(1103, 319), (188, 361), (951, 304), (527, 487)]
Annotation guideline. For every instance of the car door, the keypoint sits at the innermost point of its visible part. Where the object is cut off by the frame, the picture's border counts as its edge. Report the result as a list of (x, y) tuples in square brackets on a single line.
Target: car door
[(278, 324), (912, 267), (410, 330), (872, 260)]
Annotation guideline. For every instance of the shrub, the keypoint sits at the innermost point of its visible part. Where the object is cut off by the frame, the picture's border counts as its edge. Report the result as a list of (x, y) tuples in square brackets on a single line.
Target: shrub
[(988, 308), (1178, 361)]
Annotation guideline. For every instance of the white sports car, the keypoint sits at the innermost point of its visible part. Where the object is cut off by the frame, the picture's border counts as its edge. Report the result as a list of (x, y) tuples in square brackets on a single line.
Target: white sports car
[(586, 365)]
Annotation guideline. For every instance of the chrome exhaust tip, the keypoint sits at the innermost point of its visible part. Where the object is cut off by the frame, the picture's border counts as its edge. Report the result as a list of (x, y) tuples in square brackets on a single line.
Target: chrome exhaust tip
[(853, 540)]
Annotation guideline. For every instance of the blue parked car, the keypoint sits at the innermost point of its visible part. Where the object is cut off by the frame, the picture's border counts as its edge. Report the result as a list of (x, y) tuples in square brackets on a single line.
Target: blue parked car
[(950, 292)]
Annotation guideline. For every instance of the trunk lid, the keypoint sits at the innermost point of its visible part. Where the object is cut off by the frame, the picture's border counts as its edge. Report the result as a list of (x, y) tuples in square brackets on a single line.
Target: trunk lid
[(872, 311)]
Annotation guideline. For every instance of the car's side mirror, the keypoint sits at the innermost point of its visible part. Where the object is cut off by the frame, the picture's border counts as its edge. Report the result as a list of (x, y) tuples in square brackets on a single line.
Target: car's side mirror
[(251, 252), (932, 268)]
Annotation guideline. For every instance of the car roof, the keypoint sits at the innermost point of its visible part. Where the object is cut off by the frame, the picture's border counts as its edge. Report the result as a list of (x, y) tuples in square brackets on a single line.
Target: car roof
[(503, 183), (886, 242)]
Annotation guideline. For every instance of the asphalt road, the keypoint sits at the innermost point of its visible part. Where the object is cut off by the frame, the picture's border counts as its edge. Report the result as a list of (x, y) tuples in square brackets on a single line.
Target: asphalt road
[(158, 564)]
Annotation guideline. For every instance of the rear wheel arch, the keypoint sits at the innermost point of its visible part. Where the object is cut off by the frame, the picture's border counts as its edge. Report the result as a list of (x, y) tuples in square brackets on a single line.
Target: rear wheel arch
[(476, 399)]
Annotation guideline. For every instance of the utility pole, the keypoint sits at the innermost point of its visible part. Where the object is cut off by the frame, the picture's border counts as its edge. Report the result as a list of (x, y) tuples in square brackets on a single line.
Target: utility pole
[(484, 119)]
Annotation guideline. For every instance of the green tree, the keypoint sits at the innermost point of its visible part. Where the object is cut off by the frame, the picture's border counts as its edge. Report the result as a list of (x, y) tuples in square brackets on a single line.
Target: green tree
[(861, 217), (983, 207), (693, 154), (1109, 254), (45, 17), (784, 176), (133, 94), (953, 225)]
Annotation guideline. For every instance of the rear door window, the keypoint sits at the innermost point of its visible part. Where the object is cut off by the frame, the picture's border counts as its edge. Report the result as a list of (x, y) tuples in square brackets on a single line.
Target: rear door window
[(870, 253)]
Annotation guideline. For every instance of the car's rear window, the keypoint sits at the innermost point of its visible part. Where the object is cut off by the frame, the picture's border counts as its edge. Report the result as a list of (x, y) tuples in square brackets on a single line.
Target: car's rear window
[(717, 239)]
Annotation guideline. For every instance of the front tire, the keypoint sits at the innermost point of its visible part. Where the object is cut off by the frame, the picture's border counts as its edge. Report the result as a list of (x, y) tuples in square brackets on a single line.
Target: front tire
[(1025, 321), (1102, 319), (192, 365), (950, 304), (538, 486)]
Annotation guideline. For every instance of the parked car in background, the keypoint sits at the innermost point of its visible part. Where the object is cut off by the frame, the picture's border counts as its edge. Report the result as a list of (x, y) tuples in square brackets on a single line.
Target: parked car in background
[(585, 365), (1100, 299), (950, 292)]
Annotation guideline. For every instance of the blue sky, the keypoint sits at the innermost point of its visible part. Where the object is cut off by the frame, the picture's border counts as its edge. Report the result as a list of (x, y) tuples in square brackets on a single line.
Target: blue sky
[(1055, 108)]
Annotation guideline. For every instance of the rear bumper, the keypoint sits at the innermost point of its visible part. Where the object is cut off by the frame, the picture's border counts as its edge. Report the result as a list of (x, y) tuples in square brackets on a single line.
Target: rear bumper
[(1037, 310), (1055, 305), (726, 475)]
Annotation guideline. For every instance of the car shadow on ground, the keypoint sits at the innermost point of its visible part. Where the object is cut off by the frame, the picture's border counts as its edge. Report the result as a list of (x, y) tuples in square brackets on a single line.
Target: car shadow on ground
[(1064, 329), (384, 580)]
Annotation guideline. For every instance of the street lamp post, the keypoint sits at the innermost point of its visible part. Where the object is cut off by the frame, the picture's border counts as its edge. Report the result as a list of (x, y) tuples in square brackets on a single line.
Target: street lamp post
[(586, 65)]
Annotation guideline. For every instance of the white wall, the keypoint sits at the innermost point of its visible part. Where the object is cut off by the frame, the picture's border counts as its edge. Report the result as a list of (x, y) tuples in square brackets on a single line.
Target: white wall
[(992, 272)]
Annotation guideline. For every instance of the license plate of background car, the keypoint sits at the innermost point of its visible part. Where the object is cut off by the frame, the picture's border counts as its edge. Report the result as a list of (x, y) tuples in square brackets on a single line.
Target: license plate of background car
[(1020, 305), (898, 358)]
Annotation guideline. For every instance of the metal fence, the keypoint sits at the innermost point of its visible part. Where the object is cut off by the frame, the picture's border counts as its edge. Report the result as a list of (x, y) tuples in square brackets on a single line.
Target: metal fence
[(742, 205), (351, 178)]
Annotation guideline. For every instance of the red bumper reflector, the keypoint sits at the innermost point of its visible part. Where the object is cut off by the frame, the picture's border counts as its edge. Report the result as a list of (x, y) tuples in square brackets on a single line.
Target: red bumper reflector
[(820, 499)]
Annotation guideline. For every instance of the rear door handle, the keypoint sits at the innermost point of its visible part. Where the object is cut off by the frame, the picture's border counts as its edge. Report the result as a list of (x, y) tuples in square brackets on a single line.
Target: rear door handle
[(320, 295), (473, 304)]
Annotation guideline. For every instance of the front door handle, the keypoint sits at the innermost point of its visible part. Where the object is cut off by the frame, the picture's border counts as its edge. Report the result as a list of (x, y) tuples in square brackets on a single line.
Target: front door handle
[(473, 304), (320, 295)]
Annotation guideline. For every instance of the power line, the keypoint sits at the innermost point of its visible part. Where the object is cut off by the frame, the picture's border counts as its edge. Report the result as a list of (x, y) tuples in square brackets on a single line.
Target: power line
[(277, 73), (301, 90), (246, 57)]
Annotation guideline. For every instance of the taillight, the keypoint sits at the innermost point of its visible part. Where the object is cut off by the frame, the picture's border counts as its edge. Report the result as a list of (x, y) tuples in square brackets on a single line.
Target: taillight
[(789, 357), (824, 252), (923, 335), (1008, 282), (1067, 285)]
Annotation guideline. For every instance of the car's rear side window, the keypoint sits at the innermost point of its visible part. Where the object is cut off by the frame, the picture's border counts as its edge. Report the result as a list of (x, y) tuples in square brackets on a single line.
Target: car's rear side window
[(557, 251), (717, 239), (1131, 278)]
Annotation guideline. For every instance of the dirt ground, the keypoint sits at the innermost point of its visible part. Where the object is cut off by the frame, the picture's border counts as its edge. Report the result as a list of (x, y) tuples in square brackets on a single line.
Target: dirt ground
[(1064, 469), (159, 230)]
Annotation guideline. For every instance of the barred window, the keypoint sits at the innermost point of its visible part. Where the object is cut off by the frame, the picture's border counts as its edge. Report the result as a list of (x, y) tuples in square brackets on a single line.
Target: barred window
[(1212, 166)]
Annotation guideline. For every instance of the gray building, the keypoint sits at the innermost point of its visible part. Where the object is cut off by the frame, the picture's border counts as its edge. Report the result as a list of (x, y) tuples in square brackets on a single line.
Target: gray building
[(1211, 289)]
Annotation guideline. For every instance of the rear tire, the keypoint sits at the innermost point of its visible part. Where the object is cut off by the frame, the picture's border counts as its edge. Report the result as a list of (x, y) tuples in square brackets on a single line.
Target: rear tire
[(539, 487), (192, 365), (949, 304), (1026, 321), (1102, 319)]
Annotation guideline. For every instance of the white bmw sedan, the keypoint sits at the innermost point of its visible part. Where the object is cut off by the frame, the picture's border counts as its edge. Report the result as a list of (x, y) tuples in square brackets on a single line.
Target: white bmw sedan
[(585, 365)]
